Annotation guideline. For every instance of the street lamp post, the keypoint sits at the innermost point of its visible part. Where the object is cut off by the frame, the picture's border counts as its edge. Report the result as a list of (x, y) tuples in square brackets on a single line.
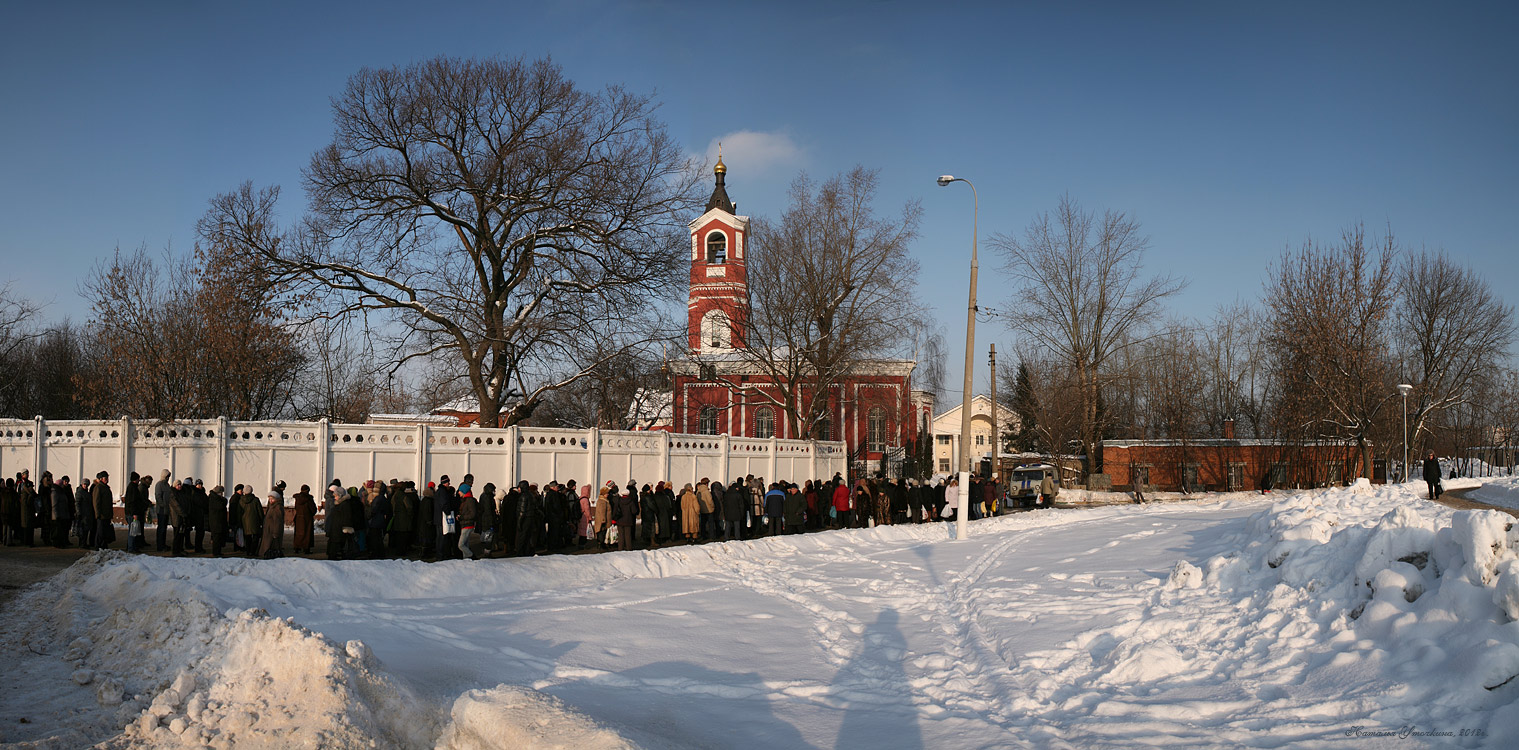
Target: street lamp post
[(1405, 389), (970, 363)]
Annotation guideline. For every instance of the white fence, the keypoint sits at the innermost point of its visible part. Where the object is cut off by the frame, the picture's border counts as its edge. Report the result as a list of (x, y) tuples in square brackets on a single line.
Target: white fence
[(313, 453)]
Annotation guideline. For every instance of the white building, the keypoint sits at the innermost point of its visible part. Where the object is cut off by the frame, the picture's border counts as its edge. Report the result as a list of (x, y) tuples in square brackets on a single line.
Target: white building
[(946, 430)]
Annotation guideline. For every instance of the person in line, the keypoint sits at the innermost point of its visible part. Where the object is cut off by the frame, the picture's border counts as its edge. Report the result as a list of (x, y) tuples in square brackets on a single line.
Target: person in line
[(137, 506), (335, 520), (794, 509), (63, 512), (102, 512), (691, 515), (84, 515), (163, 499), (625, 516), (216, 519), (775, 510), (735, 504), (469, 512), (272, 543), (304, 513)]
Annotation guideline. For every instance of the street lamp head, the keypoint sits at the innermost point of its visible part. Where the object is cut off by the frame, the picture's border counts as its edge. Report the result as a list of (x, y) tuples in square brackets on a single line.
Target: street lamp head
[(1405, 389), (945, 179)]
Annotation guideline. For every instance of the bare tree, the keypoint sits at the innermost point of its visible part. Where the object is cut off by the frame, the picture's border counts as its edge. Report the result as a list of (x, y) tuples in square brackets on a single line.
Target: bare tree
[(1452, 330), (185, 338), (1081, 294), (1052, 405), (1236, 368), (831, 287), (499, 214), (1329, 331), (17, 333), (340, 380)]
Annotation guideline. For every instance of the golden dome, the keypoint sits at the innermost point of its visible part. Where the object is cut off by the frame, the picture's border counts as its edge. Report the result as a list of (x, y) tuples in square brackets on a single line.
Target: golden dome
[(721, 168)]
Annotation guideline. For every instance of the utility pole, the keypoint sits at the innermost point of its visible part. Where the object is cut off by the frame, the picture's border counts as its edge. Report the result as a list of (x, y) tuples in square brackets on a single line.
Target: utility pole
[(996, 433)]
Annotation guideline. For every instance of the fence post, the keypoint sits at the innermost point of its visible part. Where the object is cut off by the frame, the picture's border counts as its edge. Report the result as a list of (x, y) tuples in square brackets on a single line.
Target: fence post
[(593, 454), (39, 448), (221, 451), (126, 453), (421, 457), (664, 456), (775, 445), (323, 456), (513, 458), (722, 461)]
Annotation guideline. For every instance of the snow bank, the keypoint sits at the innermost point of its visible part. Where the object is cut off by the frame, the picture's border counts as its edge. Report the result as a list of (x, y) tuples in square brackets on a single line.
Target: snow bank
[(157, 664), (1501, 492)]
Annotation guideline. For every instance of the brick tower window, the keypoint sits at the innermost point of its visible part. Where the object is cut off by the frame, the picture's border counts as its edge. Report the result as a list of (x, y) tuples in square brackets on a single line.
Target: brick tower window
[(764, 423), (717, 247)]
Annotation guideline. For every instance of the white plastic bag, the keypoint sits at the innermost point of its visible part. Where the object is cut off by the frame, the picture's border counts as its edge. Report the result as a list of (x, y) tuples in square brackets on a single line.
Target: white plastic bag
[(450, 523)]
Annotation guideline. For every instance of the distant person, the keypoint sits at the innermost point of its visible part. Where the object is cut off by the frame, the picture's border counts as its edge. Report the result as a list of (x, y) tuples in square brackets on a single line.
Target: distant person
[(305, 521), (216, 519), (1432, 475)]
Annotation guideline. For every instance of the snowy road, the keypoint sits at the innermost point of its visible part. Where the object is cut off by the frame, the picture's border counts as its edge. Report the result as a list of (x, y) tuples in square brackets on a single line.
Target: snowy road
[(900, 638)]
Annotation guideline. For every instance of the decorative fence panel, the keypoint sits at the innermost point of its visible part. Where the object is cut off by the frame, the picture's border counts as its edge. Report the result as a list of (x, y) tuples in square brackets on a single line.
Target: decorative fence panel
[(258, 454)]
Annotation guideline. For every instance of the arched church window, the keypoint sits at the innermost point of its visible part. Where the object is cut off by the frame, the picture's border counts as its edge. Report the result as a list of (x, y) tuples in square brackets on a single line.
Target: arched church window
[(716, 333), (824, 430), (764, 422), (717, 247), (706, 424), (875, 430)]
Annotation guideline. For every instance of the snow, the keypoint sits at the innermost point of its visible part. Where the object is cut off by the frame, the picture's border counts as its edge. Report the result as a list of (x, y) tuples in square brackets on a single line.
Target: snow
[(1291, 619), (1501, 492)]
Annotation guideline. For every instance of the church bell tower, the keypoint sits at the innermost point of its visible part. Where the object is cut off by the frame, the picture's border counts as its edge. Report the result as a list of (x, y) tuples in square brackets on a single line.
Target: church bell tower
[(718, 309)]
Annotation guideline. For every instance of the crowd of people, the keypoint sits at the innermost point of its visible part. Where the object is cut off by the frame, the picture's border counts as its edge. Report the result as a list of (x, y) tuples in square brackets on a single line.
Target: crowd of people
[(441, 521)]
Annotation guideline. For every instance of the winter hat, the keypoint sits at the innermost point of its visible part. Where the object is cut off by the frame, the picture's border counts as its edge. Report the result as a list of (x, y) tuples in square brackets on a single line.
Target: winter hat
[(443, 479), (464, 488), (218, 489), (102, 475)]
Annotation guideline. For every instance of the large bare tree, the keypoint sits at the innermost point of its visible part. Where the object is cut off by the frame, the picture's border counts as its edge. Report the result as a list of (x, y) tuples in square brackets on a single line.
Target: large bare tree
[(1452, 329), (1329, 327), (503, 218), (1081, 293), (831, 288)]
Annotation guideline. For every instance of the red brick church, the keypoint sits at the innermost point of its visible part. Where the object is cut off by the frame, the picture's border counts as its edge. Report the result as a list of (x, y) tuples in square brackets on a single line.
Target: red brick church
[(873, 409)]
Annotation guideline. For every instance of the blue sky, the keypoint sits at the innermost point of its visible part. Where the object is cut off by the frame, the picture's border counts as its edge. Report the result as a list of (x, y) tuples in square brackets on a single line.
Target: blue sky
[(1230, 130)]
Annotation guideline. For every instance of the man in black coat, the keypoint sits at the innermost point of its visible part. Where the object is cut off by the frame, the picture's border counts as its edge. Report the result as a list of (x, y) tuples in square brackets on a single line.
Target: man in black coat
[(216, 519), (445, 502), (735, 502), (555, 515), (63, 512), (198, 501), (529, 519), (1432, 474)]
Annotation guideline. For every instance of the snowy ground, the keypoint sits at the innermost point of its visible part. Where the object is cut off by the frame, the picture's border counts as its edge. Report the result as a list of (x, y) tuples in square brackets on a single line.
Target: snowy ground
[(1501, 492), (1300, 619)]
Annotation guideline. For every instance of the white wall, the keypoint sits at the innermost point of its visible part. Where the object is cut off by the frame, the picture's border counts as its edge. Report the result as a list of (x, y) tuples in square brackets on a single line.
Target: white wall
[(313, 453)]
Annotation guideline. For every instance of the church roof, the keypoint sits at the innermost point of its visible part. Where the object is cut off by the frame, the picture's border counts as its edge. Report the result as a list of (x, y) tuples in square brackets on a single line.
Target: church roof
[(719, 197)]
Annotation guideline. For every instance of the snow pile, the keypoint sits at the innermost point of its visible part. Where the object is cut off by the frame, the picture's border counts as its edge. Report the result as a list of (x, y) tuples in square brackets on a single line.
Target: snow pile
[(163, 668), (1366, 603), (1501, 492), (522, 719)]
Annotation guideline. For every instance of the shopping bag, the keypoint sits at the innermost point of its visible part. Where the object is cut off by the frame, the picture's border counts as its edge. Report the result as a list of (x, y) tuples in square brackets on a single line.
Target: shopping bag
[(450, 523), (612, 535)]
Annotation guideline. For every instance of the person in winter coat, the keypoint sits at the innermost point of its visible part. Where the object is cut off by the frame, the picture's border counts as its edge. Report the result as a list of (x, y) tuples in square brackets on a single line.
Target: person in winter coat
[(380, 511), (583, 531), (136, 510), (102, 512), (775, 510), (84, 516), (794, 510), (163, 498), (352, 508), (1047, 490), (447, 503), (63, 512), (735, 507), (601, 513), (660, 533), (625, 516), (841, 507), (26, 504), (304, 521), (707, 508), (216, 519), (1432, 474), (469, 516), (406, 505), (690, 514), (271, 544), (424, 523), (554, 516), (529, 519), (251, 519), (335, 515), (488, 522), (197, 525), (10, 512)]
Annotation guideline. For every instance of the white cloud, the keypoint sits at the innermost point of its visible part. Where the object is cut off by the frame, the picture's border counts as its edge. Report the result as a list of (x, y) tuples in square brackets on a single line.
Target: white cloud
[(755, 153)]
